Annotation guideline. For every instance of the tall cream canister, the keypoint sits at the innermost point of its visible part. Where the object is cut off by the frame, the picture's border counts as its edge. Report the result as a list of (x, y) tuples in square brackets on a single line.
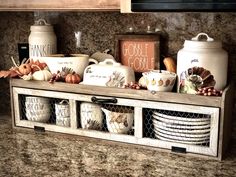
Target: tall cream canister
[(42, 40), (201, 63)]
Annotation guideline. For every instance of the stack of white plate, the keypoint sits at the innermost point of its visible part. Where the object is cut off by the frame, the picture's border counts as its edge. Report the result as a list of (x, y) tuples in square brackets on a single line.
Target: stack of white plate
[(187, 130)]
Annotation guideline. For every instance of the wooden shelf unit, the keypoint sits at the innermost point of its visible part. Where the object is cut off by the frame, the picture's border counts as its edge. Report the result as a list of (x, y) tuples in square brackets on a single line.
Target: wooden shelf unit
[(219, 108)]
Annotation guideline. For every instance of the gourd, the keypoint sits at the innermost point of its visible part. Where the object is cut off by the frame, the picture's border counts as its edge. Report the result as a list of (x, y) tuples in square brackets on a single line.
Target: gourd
[(73, 78), (170, 64), (42, 75)]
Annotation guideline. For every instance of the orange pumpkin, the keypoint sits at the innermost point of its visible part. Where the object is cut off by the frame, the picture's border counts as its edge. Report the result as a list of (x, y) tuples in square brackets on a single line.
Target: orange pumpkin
[(24, 69), (73, 78)]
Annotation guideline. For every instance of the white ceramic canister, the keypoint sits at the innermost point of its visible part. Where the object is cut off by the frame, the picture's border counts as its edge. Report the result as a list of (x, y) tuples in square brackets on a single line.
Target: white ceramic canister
[(201, 63), (42, 40)]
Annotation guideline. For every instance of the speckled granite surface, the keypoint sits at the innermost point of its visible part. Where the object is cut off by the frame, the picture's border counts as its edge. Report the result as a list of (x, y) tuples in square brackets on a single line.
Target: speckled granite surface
[(25, 154)]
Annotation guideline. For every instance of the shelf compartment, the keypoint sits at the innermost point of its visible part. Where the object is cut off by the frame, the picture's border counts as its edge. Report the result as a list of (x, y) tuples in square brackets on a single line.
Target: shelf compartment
[(106, 117), (192, 130), (44, 109)]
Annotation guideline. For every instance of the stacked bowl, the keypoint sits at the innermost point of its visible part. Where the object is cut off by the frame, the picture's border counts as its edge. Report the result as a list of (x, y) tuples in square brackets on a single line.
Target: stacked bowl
[(37, 109), (187, 129)]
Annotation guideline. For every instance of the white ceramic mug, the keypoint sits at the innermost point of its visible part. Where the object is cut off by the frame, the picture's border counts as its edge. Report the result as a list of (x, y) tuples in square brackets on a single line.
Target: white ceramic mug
[(91, 116), (62, 111)]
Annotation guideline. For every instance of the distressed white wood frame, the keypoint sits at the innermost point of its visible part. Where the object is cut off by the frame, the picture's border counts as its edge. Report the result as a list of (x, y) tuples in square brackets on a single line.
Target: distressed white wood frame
[(138, 105)]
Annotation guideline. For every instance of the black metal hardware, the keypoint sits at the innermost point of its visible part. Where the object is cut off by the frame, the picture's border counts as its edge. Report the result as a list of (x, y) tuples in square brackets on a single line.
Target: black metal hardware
[(183, 5), (39, 129), (103, 100), (178, 149)]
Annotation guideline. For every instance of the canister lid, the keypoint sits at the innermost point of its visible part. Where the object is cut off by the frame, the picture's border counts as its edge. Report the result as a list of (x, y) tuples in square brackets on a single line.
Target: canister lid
[(196, 43), (41, 26), (202, 44)]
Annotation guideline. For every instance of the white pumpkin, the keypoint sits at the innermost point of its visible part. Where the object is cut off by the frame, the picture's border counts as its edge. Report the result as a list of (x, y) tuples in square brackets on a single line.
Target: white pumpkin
[(42, 75)]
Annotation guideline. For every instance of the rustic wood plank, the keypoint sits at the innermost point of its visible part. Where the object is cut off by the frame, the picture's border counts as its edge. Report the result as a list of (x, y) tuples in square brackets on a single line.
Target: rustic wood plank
[(119, 92), (215, 119), (168, 145), (88, 5), (73, 114), (12, 106), (138, 122), (16, 106), (226, 121)]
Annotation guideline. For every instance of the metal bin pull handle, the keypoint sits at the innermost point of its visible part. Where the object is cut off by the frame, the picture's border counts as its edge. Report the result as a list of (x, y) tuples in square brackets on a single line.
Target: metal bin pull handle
[(103, 100)]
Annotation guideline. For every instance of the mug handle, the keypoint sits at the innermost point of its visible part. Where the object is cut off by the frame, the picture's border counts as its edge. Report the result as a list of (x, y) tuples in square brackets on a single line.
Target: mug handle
[(93, 61), (64, 101)]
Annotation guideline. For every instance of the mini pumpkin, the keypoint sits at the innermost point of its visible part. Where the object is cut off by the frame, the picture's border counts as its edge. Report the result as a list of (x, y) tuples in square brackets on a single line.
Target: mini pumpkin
[(24, 69), (73, 78), (42, 75)]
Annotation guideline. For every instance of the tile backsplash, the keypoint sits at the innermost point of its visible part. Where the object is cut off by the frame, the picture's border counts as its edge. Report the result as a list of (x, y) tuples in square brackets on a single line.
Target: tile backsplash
[(98, 30)]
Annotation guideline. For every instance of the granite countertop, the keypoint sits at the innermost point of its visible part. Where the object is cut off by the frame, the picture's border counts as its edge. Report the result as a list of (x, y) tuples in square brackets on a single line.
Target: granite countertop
[(25, 153)]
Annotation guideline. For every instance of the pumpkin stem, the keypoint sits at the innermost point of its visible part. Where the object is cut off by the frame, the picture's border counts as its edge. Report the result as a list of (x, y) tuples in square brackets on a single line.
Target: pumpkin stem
[(25, 61), (14, 62)]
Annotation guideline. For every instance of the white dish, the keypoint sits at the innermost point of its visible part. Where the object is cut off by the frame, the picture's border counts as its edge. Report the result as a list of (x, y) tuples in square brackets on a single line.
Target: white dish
[(191, 131), (181, 134), (182, 122), (174, 126), (183, 142), (195, 119), (193, 139)]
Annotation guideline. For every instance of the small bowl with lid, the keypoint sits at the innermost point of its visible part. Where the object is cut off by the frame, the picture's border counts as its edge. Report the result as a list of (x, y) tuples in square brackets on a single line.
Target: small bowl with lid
[(160, 80)]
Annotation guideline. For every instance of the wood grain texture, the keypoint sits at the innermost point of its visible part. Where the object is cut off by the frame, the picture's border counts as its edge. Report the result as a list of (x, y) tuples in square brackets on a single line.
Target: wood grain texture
[(28, 5), (226, 121), (121, 93)]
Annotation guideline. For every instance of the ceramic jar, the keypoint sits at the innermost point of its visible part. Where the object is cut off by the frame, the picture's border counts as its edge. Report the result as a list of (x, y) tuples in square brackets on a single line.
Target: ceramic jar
[(62, 111), (91, 116), (108, 73), (42, 40), (201, 63)]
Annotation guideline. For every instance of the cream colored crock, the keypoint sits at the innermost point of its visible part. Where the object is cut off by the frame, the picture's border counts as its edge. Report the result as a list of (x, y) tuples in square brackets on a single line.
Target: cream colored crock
[(108, 73), (204, 58)]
